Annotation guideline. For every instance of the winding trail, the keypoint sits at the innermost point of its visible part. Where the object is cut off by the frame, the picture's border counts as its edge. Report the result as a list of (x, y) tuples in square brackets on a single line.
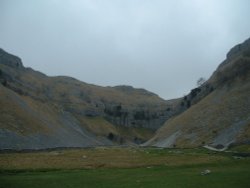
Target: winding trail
[(214, 149)]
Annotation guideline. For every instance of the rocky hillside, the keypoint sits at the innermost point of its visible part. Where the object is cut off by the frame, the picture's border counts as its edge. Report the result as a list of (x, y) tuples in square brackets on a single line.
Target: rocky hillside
[(38, 111), (218, 112)]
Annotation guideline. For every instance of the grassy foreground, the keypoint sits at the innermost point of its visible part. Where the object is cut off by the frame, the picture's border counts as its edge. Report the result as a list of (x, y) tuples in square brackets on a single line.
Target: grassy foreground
[(123, 167)]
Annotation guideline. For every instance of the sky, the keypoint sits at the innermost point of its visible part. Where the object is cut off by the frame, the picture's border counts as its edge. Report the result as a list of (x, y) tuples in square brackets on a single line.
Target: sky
[(164, 46)]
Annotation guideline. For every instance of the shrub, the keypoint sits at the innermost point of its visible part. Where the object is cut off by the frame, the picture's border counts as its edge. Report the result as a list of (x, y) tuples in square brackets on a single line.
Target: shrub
[(4, 83), (200, 81), (111, 136)]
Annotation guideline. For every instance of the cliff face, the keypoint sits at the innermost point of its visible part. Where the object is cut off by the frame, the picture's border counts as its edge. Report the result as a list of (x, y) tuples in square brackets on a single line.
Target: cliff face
[(10, 60), (218, 112), (38, 111)]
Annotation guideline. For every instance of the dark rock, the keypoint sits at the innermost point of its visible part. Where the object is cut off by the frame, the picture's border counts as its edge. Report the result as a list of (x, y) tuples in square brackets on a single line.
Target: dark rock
[(239, 49), (10, 60)]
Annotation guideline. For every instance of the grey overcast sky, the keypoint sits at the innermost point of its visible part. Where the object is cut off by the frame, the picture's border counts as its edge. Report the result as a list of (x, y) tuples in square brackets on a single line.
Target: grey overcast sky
[(161, 45)]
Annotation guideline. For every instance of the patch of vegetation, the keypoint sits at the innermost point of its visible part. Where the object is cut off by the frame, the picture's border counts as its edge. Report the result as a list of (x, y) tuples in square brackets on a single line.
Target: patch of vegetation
[(241, 148), (114, 157), (123, 167), (110, 136)]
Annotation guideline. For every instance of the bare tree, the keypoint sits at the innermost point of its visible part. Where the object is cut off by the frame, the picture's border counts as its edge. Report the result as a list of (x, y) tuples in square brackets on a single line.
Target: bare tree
[(201, 81)]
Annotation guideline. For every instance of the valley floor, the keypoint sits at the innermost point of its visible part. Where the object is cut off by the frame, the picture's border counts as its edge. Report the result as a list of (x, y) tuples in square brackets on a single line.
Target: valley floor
[(124, 167)]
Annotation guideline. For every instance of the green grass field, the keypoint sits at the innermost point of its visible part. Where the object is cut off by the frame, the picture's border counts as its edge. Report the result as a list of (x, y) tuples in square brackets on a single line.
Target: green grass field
[(123, 167)]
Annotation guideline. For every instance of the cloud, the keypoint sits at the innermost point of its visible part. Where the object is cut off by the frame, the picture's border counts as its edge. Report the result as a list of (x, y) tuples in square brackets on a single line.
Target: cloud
[(163, 46)]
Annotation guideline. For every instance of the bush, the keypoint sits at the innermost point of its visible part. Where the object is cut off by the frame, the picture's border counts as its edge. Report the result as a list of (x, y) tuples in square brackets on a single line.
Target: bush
[(201, 81), (139, 115), (194, 92), (111, 136), (4, 83)]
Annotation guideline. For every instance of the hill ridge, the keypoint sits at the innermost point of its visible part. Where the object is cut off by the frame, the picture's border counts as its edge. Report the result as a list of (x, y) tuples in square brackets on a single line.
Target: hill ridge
[(60, 104), (217, 113)]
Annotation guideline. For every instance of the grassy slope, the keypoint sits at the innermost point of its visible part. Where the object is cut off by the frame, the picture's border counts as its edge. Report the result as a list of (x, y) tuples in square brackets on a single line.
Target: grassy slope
[(227, 106), (14, 117), (17, 113), (160, 168), (43, 100)]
